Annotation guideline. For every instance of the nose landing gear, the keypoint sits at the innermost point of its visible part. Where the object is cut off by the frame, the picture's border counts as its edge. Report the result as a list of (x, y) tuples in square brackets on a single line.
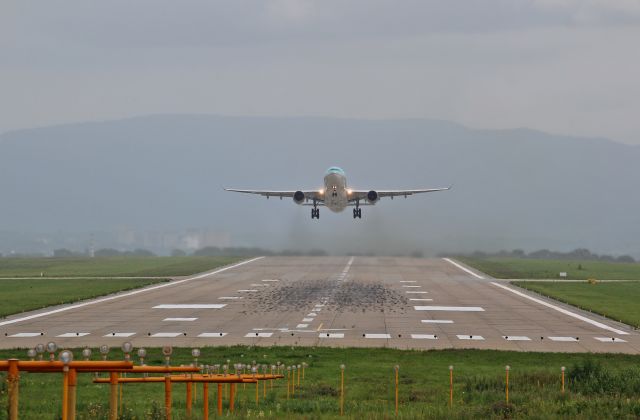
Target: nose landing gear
[(315, 213), (357, 213)]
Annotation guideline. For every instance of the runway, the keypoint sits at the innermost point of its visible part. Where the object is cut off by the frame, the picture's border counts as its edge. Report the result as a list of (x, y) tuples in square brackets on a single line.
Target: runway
[(327, 301)]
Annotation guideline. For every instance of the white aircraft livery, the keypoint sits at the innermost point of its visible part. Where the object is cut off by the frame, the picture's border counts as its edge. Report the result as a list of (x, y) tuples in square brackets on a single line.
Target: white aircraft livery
[(336, 196)]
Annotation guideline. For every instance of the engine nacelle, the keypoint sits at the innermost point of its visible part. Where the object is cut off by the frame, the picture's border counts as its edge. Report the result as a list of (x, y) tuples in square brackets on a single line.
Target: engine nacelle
[(372, 197), (298, 197)]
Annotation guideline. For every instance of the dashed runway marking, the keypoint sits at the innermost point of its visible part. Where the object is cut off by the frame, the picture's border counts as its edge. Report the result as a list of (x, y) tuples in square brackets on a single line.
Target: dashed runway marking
[(437, 321), (377, 336), (449, 308), (180, 319), (416, 292), (302, 325), (470, 337), (190, 306), (73, 334), (230, 297), (421, 300), (409, 286), (424, 336), (307, 319), (258, 285), (516, 338), (166, 335), (331, 335), (25, 334), (259, 334), (212, 334), (247, 290), (120, 334), (565, 339), (408, 281), (270, 280), (312, 314)]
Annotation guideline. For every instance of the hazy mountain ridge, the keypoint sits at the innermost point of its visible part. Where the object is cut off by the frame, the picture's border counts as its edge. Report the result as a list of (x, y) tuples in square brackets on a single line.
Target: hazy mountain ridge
[(512, 188)]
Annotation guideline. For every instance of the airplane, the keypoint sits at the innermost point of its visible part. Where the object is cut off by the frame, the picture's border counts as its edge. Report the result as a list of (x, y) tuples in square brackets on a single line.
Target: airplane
[(336, 196)]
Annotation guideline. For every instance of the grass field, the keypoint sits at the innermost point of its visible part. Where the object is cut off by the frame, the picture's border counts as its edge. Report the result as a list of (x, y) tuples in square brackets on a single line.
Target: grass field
[(110, 267), (615, 300), (29, 294), (598, 386), (513, 268)]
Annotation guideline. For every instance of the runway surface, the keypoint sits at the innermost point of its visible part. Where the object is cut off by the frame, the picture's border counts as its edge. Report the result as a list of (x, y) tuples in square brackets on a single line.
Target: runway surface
[(327, 301)]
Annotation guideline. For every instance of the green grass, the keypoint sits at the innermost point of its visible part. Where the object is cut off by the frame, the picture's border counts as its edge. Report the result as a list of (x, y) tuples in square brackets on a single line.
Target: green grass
[(110, 267), (598, 385), (29, 294), (615, 300), (513, 268)]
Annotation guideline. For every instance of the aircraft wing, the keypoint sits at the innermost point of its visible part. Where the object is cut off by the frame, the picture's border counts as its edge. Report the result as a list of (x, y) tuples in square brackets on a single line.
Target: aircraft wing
[(362, 194), (311, 195)]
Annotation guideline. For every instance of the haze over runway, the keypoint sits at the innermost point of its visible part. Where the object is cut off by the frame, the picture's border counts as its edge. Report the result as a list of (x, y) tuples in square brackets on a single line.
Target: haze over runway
[(327, 301)]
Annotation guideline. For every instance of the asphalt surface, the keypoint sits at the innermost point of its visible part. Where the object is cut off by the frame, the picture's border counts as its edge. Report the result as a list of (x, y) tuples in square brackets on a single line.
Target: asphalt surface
[(327, 301)]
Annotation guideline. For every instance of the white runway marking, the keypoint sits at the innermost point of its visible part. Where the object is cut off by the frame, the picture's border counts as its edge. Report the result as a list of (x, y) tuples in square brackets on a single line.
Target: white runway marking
[(406, 285), (25, 334), (449, 308), (123, 295), (180, 319), (302, 325), (421, 300), (410, 292), (69, 335), (120, 334), (319, 305), (437, 321), (307, 319), (259, 334), (331, 335), (270, 280), (465, 269), (190, 306), (166, 334), (516, 338), (408, 281), (564, 339), (316, 309), (469, 337), (247, 290), (610, 339), (377, 336), (230, 297), (424, 336), (312, 314), (562, 310), (212, 334)]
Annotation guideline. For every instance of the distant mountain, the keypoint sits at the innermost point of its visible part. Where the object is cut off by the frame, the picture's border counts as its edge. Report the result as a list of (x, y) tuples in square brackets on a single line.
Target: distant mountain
[(512, 188)]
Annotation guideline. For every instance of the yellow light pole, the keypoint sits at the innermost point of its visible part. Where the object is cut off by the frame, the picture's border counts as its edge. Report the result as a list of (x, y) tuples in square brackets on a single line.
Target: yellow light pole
[(73, 386), (293, 380), (450, 386), (397, 369), (113, 396), (299, 366), (342, 390), (288, 379), (507, 368), (562, 370), (205, 401)]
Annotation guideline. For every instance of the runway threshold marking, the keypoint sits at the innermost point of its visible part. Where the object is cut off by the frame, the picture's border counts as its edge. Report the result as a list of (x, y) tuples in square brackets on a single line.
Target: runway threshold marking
[(180, 319), (561, 310), (610, 339), (465, 269), (422, 300), (331, 335), (25, 334), (565, 339), (259, 334), (424, 336), (190, 306), (73, 334), (470, 337), (516, 338), (377, 336), (120, 334), (123, 295), (212, 334), (436, 321), (166, 335)]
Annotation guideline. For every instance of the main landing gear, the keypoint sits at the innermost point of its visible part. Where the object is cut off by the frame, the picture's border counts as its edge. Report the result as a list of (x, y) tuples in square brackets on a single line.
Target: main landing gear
[(315, 213), (357, 213)]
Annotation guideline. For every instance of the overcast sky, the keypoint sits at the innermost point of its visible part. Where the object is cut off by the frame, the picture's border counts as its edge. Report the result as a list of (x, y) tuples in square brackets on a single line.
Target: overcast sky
[(563, 66)]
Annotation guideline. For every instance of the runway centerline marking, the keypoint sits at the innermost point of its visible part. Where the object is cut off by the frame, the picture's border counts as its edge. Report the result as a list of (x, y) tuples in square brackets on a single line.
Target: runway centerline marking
[(561, 310), (123, 295), (190, 306), (465, 269), (450, 308)]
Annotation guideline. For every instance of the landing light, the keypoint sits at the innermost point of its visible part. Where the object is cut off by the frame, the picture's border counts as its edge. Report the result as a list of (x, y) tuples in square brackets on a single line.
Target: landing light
[(321, 192)]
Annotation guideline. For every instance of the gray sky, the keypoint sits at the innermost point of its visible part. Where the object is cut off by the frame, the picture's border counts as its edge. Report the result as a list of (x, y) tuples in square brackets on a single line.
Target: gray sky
[(564, 66)]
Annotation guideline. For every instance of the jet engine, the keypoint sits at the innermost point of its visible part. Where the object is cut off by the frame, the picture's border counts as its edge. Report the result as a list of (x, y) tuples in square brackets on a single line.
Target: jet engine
[(372, 197), (298, 197)]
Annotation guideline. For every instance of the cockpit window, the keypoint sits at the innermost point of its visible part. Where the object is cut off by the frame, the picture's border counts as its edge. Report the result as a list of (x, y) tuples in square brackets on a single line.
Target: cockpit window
[(335, 170)]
